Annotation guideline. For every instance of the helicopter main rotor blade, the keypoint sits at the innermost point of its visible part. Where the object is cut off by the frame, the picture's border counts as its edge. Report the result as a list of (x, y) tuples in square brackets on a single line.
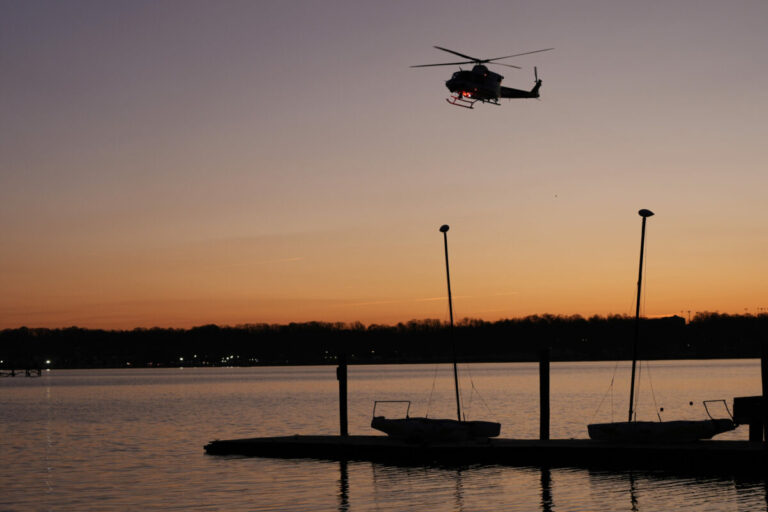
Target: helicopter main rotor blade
[(516, 55), (464, 62), (444, 64), (473, 59)]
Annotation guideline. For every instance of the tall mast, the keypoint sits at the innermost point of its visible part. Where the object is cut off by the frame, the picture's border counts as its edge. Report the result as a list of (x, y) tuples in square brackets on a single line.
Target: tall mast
[(644, 214), (444, 230)]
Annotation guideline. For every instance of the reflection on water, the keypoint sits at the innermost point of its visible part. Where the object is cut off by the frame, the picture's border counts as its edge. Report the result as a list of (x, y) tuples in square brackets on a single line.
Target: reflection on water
[(126, 440), (343, 487), (632, 492), (546, 490), (478, 488)]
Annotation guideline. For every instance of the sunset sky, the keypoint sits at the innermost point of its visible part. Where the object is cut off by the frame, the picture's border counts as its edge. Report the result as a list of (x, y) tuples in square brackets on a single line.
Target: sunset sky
[(178, 163)]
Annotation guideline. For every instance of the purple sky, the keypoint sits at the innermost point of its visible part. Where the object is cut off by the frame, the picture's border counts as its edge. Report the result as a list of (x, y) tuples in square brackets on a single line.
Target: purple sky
[(178, 163)]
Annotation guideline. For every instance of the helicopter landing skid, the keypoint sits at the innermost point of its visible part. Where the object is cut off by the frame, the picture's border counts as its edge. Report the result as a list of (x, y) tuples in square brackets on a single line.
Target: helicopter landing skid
[(458, 100)]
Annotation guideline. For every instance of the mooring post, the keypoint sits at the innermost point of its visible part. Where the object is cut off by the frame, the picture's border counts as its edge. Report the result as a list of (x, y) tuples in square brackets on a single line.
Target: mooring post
[(544, 394), (341, 375), (764, 378)]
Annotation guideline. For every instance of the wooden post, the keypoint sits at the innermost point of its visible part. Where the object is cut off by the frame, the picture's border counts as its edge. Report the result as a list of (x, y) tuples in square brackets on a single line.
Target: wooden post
[(341, 375), (764, 378), (544, 394), (749, 410)]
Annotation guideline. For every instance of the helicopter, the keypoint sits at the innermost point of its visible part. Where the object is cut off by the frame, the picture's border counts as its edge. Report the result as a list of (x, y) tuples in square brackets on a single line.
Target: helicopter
[(481, 84)]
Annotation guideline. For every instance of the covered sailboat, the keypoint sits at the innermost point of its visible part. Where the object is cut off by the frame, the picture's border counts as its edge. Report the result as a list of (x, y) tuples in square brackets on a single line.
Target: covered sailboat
[(679, 431), (633, 431), (422, 429), (431, 430)]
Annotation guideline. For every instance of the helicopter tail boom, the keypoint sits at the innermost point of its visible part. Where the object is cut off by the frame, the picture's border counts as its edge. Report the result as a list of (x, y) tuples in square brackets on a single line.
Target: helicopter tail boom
[(508, 92)]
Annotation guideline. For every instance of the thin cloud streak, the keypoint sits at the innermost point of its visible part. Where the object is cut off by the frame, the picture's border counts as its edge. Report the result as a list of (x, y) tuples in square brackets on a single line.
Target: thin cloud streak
[(385, 302), (406, 301), (280, 260)]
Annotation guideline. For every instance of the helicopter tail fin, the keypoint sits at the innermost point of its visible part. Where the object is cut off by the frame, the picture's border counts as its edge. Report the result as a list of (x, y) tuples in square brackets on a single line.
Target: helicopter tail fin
[(535, 90)]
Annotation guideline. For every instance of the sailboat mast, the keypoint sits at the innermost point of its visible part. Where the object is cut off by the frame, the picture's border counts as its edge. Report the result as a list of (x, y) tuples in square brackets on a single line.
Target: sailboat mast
[(644, 214), (444, 230)]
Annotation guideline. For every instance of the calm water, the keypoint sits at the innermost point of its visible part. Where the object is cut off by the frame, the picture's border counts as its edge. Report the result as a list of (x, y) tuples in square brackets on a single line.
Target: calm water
[(133, 439)]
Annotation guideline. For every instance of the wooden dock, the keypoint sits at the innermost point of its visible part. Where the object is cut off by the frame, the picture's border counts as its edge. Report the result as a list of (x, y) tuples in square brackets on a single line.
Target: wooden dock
[(713, 456), (702, 456)]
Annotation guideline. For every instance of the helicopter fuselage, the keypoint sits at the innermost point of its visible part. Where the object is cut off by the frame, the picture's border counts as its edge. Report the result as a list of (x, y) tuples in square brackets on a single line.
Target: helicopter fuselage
[(480, 83)]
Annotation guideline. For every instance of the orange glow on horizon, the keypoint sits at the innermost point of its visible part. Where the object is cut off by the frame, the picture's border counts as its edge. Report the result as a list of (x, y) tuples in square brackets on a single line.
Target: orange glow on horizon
[(167, 171)]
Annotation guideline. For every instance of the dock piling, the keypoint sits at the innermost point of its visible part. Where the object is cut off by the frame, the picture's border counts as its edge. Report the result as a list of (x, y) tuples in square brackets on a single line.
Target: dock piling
[(341, 375), (764, 378), (544, 394)]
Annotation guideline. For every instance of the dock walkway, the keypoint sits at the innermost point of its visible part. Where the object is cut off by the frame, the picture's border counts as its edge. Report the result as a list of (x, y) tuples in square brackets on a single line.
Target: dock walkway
[(709, 456)]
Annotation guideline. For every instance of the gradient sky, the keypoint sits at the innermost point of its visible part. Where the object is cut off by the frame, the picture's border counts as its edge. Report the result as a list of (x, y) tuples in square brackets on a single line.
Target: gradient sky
[(176, 163)]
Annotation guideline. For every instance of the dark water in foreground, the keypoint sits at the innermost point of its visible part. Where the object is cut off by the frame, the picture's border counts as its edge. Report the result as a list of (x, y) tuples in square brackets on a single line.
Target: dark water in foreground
[(133, 439)]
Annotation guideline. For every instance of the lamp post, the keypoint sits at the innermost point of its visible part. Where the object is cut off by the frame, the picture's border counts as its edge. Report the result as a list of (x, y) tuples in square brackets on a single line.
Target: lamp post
[(644, 214), (444, 230)]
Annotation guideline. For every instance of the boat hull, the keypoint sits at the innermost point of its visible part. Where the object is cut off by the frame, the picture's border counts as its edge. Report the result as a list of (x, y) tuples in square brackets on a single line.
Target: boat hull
[(684, 431), (424, 430)]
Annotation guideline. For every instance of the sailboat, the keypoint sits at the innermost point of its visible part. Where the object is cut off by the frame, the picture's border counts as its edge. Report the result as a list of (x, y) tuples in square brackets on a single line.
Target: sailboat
[(633, 431), (431, 430)]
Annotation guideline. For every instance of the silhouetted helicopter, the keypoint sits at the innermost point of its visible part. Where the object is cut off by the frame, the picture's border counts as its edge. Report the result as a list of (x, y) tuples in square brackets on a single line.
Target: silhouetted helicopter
[(480, 84)]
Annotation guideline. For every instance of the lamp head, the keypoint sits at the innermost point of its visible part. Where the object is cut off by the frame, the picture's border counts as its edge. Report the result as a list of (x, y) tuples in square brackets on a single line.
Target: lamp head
[(444, 228), (645, 213)]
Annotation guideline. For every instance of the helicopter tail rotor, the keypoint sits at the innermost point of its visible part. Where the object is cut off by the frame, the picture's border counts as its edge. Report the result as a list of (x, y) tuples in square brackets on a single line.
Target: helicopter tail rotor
[(537, 85)]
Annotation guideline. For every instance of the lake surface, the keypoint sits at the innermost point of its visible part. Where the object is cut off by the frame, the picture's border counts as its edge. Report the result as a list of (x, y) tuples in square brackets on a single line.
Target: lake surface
[(111, 440)]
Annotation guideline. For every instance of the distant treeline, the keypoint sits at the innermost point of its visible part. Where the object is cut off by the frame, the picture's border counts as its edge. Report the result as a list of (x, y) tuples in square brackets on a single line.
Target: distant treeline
[(570, 338)]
